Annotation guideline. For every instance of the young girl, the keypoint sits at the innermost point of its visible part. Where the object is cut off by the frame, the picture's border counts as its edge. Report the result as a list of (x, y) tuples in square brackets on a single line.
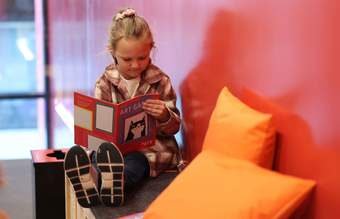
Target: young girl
[(131, 74)]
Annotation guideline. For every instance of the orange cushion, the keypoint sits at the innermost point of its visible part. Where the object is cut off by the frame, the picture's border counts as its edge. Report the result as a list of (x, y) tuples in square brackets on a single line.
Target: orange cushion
[(215, 186), (239, 131)]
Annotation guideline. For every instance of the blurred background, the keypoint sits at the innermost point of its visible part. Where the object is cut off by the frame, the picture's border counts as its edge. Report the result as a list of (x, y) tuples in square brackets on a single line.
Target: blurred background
[(22, 86)]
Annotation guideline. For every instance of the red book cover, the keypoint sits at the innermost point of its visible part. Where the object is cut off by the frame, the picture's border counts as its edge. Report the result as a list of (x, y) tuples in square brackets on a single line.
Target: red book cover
[(124, 124)]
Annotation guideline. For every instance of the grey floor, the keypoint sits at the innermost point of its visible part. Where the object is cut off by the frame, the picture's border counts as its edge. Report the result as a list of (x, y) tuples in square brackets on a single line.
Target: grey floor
[(137, 201), (16, 198)]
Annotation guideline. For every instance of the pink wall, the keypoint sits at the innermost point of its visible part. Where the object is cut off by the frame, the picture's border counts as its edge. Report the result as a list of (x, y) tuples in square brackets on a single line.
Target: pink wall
[(278, 56)]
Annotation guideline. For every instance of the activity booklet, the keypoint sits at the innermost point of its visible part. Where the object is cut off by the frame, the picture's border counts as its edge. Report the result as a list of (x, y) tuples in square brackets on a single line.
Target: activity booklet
[(124, 124)]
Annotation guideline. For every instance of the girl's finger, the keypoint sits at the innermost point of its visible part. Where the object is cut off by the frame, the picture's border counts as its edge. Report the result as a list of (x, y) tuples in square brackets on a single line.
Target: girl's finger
[(152, 101)]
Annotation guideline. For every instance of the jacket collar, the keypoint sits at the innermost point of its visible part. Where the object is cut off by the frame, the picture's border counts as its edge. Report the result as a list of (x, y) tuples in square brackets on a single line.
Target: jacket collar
[(151, 75)]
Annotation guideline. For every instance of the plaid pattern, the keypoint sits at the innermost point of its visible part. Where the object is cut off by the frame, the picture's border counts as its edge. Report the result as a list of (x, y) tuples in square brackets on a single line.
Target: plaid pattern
[(109, 87)]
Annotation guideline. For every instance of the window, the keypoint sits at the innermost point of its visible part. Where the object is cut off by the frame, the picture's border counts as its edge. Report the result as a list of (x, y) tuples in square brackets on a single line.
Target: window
[(23, 93)]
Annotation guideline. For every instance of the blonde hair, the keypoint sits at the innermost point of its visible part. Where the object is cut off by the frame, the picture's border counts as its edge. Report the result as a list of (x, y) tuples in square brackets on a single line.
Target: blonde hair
[(126, 24)]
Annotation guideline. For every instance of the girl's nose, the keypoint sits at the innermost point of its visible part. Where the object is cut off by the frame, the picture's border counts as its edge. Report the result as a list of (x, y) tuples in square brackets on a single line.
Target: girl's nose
[(135, 64)]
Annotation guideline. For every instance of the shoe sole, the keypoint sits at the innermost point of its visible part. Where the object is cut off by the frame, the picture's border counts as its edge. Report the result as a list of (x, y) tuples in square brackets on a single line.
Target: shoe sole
[(111, 165), (77, 168)]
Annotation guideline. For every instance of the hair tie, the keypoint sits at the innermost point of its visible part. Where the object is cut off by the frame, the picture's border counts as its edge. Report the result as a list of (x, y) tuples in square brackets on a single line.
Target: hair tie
[(129, 12)]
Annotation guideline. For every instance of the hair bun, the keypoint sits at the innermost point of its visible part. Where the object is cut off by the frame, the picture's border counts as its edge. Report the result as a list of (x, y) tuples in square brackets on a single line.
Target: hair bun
[(129, 12)]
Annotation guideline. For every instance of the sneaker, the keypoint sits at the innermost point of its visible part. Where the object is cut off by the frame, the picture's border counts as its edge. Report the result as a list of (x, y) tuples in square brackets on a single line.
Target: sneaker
[(77, 168), (111, 165)]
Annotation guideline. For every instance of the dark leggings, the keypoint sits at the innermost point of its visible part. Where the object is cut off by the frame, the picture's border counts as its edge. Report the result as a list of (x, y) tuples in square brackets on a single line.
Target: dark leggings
[(136, 169)]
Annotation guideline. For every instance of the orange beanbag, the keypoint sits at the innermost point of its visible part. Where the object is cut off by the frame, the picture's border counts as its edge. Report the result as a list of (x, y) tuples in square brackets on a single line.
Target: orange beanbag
[(239, 131), (215, 186)]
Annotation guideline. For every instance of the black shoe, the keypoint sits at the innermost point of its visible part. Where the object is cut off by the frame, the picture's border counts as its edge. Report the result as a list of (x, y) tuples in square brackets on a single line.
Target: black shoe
[(77, 168), (111, 165)]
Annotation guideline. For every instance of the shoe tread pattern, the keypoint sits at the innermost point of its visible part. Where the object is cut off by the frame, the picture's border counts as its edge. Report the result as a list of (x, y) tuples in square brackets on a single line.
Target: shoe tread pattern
[(111, 165), (77, 168)]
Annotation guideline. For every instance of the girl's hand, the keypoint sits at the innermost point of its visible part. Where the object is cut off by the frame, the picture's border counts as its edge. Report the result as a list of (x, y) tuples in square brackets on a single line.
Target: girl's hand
[(157, 109)]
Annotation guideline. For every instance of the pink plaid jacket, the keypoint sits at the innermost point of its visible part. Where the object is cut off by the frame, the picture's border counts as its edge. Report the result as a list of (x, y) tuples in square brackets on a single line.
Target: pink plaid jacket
[(164, 154)]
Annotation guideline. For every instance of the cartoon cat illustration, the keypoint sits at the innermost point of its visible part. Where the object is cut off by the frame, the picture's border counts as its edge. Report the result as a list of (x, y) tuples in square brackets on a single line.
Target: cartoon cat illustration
[(136, 130)]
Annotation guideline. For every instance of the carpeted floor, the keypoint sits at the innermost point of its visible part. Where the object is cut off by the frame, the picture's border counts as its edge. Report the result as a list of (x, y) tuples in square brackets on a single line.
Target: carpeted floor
[(136, 201), (16, 198)]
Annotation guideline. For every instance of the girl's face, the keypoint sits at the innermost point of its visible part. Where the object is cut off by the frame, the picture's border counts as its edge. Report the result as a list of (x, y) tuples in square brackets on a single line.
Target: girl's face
[(132, 57)]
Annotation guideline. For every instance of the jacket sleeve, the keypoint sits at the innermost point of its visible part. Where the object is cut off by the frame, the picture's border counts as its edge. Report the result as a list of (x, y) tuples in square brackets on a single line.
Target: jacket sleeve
[(168, 95), (103, 89)]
